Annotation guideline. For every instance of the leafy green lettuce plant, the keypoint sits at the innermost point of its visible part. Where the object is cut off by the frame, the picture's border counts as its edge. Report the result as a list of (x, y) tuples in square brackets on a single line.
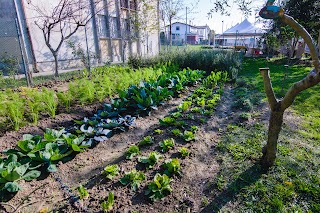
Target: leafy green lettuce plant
[(172, 167), (83, 193), (151, 160), (184, 152), (132, 151), (159, 187), (167, 144), (134, 178), (111, 171), (148, 140), (107, 205)]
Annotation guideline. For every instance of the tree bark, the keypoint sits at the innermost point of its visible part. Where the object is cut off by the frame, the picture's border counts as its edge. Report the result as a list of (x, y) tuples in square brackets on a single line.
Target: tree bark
[(56, 73), (170, 32), (270, 150)]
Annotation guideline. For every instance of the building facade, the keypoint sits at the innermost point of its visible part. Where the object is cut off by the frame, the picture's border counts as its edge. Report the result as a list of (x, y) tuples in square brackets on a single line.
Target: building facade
[(182, 32), (116, 30)]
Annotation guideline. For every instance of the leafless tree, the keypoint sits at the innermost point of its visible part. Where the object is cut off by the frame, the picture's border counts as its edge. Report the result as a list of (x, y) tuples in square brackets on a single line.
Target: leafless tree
[(278, 106), (59, 22)]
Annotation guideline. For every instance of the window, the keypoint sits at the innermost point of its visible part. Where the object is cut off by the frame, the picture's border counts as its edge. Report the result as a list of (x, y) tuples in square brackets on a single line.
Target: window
[(124, 4), (114, 27), (102, 26), (133, 4), (177, 28), (128, 3), (125, 27)]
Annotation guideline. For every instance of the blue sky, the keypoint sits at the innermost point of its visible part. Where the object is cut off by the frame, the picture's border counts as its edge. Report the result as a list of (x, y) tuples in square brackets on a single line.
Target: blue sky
[(200, 16)]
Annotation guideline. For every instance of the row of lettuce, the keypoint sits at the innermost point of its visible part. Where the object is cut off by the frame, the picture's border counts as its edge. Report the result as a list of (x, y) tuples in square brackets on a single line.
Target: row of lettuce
[(164, 167), (36, 153)]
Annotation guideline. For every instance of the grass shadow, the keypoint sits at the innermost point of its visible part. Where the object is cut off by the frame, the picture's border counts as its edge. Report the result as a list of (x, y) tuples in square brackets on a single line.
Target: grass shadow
[(245, 179)]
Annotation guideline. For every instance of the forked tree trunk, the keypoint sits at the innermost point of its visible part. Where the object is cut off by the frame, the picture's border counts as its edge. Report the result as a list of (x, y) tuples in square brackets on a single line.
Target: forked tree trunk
[(279, 106), (270, 150)]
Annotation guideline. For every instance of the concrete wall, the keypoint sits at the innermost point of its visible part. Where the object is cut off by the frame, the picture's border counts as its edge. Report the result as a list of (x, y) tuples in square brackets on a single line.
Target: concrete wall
[(110, 46)]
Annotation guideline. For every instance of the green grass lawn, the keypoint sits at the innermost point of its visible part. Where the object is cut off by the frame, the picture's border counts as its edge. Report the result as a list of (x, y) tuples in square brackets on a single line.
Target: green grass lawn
[(293, 184), (306, 103)]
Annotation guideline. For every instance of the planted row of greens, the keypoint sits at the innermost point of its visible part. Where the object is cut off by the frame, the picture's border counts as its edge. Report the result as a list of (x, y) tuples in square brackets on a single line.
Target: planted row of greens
[(136, 100), (175, 123), (34, 153), (28, 105)]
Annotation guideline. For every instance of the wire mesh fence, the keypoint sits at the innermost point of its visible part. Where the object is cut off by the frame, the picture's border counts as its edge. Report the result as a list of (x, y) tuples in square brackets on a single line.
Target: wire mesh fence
[(11, 60)]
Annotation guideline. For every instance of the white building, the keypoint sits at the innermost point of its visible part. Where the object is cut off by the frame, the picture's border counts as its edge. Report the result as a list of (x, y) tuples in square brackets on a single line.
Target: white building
[(111, 34), (182, 32)]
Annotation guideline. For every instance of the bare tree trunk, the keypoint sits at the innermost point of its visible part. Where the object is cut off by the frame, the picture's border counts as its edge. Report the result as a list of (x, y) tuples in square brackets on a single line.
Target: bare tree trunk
[(270, 150), (170, 32), (319, 41), (56, 73)]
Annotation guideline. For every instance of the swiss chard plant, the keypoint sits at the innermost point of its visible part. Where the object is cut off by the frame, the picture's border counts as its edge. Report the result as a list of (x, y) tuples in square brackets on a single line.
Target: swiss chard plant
[(134, 178), (111, 171), (167, 144), (159, 187), (150, 160)]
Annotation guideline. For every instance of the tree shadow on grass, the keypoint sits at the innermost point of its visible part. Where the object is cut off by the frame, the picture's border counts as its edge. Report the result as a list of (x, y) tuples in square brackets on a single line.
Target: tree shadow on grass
[(245, 179)]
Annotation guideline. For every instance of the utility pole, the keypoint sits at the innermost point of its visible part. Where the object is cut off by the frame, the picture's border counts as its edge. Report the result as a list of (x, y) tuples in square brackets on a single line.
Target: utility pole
[(222, 35)]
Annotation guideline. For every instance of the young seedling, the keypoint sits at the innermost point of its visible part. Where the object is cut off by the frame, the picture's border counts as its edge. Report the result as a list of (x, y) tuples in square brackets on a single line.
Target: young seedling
[(168, 121), (185, 106), (188, 136), (176, 132), (133, 178), (194, 128), (83, 193), (184, 152), (107, 205), (132, 151), (167, 144), (159, 187), (176, 115), (111, 171), (151, 160), (172, 167), (146, 141), (158, 131)]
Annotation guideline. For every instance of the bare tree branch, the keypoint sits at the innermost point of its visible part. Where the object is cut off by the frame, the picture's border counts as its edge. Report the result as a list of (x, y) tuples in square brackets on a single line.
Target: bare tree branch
[(265, 72)]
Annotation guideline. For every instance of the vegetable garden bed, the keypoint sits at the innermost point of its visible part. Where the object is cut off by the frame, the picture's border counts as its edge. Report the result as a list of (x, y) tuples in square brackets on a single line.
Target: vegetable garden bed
[(36, 154)]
